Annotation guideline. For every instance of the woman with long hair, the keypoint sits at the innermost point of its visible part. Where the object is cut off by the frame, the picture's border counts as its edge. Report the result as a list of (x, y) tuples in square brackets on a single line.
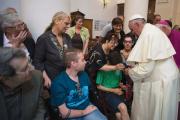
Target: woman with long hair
[(50, 46)]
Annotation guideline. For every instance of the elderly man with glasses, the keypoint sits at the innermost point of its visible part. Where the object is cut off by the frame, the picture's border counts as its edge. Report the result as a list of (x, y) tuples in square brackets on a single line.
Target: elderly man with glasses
[(20, 87)]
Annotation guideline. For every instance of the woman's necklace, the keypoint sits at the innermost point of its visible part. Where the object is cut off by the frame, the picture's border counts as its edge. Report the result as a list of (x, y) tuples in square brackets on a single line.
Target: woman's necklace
[(60, 40)]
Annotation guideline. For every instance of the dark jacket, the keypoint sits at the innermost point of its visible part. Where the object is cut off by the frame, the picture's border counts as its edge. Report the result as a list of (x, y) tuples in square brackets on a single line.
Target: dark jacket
[(47, 56), (32, 102), (28, 42)]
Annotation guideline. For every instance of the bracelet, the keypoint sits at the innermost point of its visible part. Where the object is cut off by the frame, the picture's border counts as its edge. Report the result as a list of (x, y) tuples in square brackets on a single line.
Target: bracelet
[(68, 114)]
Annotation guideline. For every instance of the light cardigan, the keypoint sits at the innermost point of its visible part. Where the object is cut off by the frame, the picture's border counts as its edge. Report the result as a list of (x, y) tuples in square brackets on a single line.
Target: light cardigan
[(84, 33)]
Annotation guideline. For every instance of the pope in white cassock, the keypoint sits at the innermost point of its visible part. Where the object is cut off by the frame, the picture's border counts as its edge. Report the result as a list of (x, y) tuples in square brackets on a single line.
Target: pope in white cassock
[(155, 75)]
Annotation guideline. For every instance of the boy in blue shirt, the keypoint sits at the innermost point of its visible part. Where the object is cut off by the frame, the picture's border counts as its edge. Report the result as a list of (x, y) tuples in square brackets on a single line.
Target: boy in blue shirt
[(70, 90)]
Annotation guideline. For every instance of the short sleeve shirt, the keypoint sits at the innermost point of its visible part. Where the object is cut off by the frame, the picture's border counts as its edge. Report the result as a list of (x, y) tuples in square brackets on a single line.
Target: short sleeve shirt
[(109, 79), (65, 90)]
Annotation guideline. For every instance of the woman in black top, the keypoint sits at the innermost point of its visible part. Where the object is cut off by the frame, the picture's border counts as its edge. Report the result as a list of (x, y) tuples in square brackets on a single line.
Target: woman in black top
[(50, 46), (117, 29)]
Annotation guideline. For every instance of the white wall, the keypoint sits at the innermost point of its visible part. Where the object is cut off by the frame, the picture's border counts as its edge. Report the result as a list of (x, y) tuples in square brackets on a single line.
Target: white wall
[(38, 13), (93, 9), (132, 8), (164, 9), (10, 3), (169, 10), (176, 12)]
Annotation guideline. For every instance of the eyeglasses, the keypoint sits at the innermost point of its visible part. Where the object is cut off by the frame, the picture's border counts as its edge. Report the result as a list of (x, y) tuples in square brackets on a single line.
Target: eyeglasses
[(17, 27), (127, 41)]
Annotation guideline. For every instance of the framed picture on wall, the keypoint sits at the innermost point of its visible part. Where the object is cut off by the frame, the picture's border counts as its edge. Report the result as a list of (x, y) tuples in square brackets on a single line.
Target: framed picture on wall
[(162, 1)]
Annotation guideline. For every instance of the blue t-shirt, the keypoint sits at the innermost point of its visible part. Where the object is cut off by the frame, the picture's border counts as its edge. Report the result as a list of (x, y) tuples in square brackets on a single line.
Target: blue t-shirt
[(74, 95)]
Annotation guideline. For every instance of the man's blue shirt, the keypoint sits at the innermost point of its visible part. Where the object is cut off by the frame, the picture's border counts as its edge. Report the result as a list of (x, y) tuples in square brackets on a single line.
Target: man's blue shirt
[(65, 90)]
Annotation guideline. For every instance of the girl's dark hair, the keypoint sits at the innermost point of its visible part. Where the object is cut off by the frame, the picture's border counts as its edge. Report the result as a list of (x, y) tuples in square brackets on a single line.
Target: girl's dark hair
[(117, 21), (114, 58), (110, 36), (77, 17), (128, 35)]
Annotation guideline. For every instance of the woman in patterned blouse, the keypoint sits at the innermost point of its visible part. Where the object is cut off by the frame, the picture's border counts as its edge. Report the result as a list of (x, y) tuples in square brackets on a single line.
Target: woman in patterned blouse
[(50, 46)]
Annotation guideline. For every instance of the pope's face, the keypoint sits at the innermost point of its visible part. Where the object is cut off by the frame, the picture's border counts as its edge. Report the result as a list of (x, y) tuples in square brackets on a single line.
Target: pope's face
[(134, 27)]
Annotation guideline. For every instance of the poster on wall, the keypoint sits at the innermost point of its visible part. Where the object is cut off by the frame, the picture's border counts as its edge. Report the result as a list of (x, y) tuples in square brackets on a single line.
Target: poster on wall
[(96, 25), (99, 24)]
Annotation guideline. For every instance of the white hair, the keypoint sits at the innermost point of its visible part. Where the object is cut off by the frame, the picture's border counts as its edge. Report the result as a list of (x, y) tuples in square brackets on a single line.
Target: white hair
[(9, 20), (7, 11)]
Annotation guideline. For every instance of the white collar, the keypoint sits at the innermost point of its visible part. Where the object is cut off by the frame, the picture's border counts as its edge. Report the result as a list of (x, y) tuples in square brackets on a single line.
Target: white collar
[(6, 41)]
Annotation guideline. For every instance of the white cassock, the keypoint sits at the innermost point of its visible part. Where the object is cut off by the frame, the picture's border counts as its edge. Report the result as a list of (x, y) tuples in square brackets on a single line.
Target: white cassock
[(155, 77)]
